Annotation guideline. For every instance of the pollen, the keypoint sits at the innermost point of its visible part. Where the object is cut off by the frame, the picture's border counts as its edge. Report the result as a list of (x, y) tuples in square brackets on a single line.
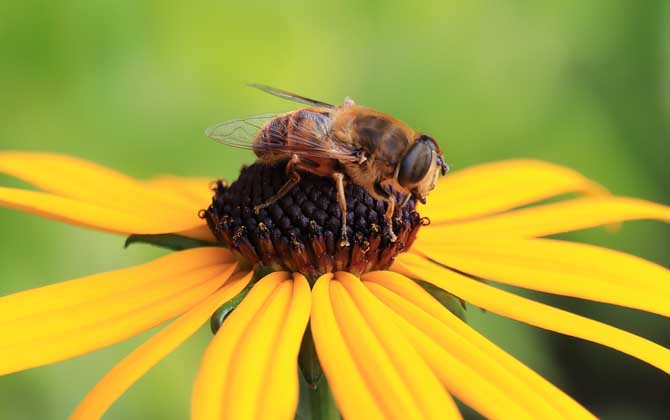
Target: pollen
[(301, 231)]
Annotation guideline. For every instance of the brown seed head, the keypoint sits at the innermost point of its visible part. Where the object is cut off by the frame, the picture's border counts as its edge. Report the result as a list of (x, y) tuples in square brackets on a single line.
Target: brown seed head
[(301, 231)]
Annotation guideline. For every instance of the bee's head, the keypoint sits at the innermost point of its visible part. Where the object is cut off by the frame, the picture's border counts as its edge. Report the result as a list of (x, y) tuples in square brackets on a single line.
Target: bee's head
[(420, 167)]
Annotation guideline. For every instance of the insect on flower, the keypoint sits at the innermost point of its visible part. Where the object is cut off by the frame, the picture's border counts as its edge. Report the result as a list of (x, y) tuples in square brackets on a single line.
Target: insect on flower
[(350, 143), (386, 347)]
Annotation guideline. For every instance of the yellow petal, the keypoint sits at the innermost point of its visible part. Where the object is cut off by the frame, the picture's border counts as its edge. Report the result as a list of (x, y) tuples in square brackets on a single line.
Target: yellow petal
[(101, 310), (69, 328), (344, 377), (213, 380), (382, 371), (88, 182), (39, 301), (196, 190), (62, 345), (550, 219), (137, 363), (90, 195), (469, 370), (531, 312), (283, 363), (249, 362), (94, 216), (422, 384), (564, 268), (457, 377), (495, 187), (67, 343)]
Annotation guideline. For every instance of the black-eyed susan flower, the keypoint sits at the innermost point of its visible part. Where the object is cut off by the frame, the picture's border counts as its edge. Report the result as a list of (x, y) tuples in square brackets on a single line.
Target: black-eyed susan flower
[(374, 313)]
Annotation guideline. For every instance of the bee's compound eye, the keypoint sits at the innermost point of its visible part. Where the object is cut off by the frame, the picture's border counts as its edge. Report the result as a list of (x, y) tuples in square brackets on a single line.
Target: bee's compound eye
[(416, 163)]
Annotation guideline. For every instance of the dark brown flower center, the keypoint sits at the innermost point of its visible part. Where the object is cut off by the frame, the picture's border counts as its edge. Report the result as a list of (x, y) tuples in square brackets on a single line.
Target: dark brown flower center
[(301, 232)]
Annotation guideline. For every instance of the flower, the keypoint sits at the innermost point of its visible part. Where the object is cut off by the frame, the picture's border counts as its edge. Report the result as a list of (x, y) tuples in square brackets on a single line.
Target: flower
[(387, 346)]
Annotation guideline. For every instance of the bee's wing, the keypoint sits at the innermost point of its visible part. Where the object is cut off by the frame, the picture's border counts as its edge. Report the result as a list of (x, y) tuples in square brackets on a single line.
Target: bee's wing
[(240, 132), (290, 96), (304, 140)]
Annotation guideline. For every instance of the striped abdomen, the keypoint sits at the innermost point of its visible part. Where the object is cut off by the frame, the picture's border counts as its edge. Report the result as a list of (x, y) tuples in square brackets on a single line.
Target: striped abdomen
[(291, 132)]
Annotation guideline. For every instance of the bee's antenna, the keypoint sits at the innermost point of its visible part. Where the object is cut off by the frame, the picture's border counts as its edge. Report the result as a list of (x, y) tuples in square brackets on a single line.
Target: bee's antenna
[(444, 166)]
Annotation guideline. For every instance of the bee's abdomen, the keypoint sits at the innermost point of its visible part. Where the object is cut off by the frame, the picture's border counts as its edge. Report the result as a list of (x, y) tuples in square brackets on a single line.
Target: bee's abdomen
[(292, 131), (272, 137)]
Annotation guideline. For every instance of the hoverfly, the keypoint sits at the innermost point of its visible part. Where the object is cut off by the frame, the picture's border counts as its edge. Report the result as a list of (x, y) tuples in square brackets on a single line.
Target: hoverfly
[(349, 142)]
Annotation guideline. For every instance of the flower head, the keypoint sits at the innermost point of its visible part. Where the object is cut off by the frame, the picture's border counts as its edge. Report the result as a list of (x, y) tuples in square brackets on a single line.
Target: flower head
[(373, 314), (301, 232)]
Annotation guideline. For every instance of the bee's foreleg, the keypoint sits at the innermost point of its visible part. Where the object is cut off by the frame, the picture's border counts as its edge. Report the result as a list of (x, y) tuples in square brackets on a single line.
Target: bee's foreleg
[(382, 194), (342, 201), (405, 200), (293, 180), (390, 210)]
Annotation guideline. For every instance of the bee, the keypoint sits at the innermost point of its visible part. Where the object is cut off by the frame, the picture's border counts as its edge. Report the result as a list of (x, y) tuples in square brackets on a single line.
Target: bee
[(349, 143)]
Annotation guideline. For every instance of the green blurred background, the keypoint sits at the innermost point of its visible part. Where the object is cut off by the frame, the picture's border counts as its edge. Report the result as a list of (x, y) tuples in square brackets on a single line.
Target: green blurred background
[(132, 85)]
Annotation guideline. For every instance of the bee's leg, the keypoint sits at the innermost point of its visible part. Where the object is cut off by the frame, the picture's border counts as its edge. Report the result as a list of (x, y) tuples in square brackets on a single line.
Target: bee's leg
[(390, 209), (405, 200), (342, 201), (285, 189), (293, 180)]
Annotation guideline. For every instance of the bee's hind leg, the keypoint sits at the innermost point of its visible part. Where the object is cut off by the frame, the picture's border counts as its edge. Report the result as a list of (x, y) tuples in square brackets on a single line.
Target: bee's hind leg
[(293, 180), (342, 201)]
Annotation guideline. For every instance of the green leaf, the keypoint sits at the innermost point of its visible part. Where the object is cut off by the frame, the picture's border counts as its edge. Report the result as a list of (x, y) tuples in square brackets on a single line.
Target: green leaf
[(169, 241)]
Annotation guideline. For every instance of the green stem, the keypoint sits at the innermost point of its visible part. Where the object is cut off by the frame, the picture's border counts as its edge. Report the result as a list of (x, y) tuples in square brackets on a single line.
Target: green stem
[(316, 401)]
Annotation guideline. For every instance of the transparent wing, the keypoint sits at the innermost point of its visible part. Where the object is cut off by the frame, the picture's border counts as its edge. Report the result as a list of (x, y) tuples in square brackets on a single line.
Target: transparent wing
[(240, 132), (307, 139), (290, 96)]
